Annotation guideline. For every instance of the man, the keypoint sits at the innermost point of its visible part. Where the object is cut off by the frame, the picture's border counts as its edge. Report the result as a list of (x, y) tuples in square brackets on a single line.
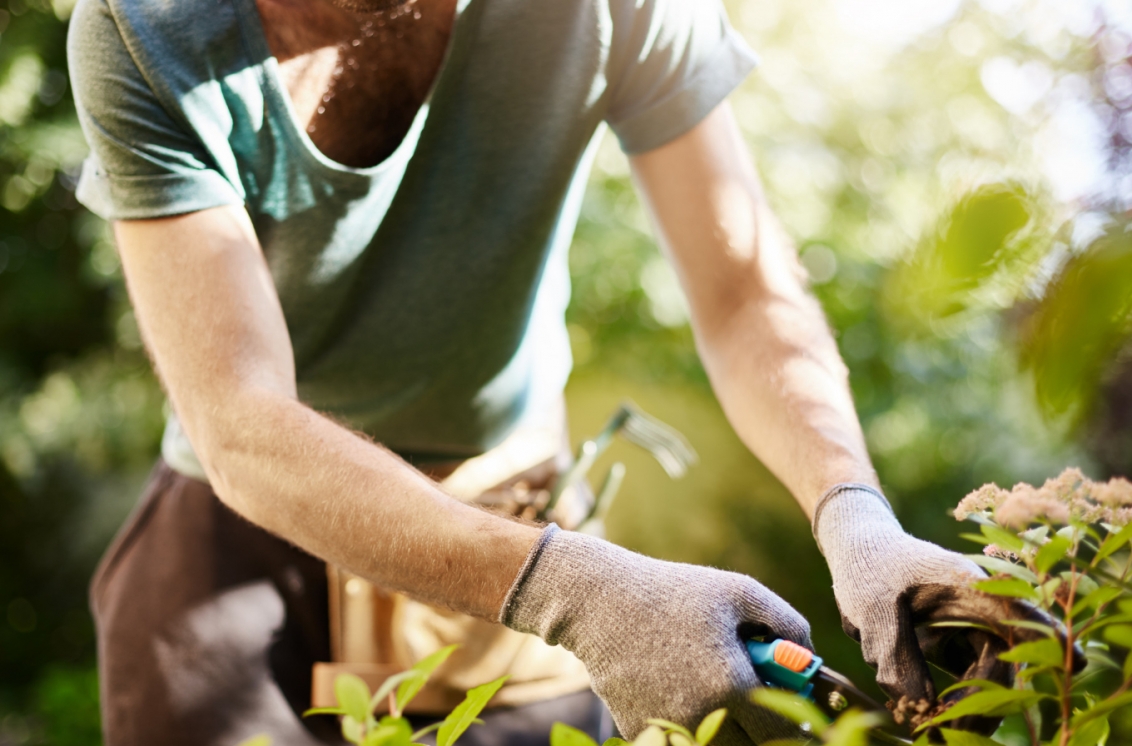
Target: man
[(343, 225)]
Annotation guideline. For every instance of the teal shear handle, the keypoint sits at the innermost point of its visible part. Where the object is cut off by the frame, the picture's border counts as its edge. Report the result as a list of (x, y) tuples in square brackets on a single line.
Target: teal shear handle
[(785, 664)]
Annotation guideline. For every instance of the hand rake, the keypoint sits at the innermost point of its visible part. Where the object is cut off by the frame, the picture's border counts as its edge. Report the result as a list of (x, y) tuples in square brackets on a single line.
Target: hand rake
[(664, 442)]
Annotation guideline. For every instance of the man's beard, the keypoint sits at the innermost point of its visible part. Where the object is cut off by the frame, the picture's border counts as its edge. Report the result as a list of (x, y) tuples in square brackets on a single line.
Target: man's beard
[(370, 6)]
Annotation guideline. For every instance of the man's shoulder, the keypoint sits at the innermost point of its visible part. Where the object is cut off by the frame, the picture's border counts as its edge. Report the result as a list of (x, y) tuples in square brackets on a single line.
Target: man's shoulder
[(187, 37)]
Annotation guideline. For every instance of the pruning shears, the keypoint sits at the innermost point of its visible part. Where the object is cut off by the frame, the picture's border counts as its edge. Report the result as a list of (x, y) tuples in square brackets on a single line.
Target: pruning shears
[(788, 665)]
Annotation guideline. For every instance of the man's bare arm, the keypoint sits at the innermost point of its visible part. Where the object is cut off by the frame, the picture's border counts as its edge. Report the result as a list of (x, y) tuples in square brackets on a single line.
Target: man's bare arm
[(211, 319), (763, 338)]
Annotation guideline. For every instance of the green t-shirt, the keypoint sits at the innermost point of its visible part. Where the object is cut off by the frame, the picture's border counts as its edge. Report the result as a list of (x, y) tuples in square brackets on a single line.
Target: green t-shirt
[(425, 295)]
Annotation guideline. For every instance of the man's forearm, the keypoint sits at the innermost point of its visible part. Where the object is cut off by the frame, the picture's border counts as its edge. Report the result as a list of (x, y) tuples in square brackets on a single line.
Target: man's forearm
[(762, 336), (344, 499), (777, 372)]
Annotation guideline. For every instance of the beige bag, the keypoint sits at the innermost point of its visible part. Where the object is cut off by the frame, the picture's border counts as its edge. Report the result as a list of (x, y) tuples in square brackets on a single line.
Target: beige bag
[(375, 634)]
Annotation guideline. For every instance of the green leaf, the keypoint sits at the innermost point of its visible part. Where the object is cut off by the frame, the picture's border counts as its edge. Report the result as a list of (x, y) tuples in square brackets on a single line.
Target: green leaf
[(1010, 587), (353, 730), (851, 729), (1045, 629), (977, 538), (792, 706), (651, 736), (1101, 596), (962, 624), (1127, 669), (260, 740), (424, 668), (1119, 634), (982, 684), (996, 565), (679, 739), (1002, 538), (964, 738), (670, 726), (353, 696), (1085, 584), (709, 726), (390, 731), (1093, 733), (461, 718), (389, 684), (1051, 553), (564, 735), (615, 741), (1037, 653), (991, 702), (323, 711), (426, 730), (1102, 708), (1112, 543)]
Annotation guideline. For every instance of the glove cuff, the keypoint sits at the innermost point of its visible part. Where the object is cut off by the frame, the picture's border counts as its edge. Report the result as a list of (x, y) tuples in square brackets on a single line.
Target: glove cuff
[(505, 611), (866, 508)]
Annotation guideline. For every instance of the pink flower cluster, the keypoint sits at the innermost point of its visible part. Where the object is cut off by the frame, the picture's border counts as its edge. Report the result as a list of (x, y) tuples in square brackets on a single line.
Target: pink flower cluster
[(1068, 496)]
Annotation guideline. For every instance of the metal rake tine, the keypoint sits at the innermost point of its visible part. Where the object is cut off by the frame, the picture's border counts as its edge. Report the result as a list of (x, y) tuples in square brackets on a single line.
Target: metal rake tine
[(667, 445)]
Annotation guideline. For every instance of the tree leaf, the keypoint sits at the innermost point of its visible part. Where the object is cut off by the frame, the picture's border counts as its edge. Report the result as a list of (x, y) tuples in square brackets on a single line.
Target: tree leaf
[(1009, 587), (651, 736), (709, 726), (565, 735), (353, 696), (792, 706), (1051, 553), (460, 719), (323, 711), (1037, 653), (1092, 733), (996, 565), (1112, 543), (424, 668), (990, 702), (679, 739), (965, 738), (615, 741), (670, 726)]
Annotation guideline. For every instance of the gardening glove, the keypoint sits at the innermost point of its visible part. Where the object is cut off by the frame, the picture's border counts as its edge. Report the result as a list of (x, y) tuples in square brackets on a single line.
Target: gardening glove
[(659, 639), (887, 584)]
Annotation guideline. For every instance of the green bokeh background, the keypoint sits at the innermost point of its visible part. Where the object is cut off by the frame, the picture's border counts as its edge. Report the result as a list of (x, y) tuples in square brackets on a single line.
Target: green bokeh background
[(982, 304)]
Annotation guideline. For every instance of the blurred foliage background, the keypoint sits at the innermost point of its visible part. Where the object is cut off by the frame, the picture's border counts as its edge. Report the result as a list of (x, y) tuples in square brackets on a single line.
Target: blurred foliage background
[(957, 174)]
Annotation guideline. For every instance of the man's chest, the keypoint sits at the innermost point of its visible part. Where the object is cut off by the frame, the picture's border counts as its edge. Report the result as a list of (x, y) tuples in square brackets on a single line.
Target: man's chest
[(356, 83)]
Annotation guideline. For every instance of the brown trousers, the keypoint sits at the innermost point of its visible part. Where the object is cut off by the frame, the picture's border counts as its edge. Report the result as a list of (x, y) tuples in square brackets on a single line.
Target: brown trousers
[(208, 627)]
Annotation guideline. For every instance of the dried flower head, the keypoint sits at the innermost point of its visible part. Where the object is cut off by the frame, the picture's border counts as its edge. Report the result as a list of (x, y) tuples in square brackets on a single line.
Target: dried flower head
[(993, 550), (1069, 496)]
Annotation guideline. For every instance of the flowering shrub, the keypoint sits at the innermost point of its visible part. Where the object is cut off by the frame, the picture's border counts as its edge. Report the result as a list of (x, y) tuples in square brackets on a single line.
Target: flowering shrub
[(1065, 548)]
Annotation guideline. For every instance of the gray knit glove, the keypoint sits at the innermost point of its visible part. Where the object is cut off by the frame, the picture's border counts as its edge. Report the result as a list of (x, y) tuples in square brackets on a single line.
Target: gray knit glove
[(888, 583), (659, 639)]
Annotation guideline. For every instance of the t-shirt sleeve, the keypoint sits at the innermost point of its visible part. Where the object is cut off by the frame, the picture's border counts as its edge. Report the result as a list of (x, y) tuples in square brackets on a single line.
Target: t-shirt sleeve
[(671, 63), (143, 163)]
